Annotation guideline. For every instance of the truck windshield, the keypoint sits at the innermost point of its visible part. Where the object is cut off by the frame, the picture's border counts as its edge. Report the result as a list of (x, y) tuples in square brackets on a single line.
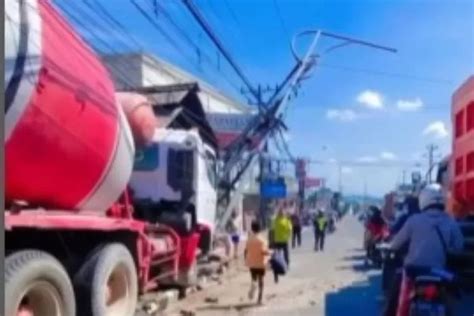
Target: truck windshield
[(147, 159)]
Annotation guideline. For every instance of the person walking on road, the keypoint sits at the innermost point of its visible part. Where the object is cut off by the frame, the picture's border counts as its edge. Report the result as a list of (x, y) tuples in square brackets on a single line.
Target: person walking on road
[(296, 222), (232, 228), (282, 230), (320, 227), (256, 255)]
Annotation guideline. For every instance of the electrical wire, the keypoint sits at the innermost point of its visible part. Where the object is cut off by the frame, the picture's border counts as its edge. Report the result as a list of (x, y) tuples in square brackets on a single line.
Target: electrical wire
[(354, 163), (69, 81), (152, 22), (104, 16), (59, 73), (282, 21), (78, 17), (233, 15), (112, 20), (180, 31), (387, 74), (200, 19), (186, 112), (286, 148)]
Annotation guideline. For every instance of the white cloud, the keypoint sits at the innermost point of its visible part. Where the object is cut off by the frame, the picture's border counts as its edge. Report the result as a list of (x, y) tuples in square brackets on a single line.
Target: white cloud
[(344, 115), (346, 170), (387, 155), (436, 129), (410, 105), (332, 160), (367, 159), (370, 99)]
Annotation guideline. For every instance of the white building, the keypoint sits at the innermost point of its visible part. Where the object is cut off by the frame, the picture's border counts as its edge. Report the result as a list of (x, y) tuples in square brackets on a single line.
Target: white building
[(143, 70)]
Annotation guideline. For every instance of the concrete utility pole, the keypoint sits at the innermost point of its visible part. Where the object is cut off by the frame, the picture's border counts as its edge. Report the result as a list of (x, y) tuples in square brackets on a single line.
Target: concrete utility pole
[(365, 191), (339, 173), (431, 150), (263, 214), (301, 177)]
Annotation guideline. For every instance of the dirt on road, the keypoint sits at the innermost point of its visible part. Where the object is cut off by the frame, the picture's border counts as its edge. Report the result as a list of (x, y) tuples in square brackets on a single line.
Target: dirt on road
[(318, 283), (335, 282)]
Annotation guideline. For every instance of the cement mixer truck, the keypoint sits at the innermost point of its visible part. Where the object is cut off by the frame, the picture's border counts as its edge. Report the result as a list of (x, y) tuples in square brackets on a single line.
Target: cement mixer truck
[(88, 226)]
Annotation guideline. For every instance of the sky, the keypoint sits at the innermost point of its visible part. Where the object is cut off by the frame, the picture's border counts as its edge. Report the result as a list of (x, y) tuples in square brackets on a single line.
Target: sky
[(359, 105)]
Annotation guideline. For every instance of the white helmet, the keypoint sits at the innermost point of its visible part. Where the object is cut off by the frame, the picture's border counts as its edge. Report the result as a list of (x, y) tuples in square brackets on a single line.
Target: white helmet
[(431, 196)]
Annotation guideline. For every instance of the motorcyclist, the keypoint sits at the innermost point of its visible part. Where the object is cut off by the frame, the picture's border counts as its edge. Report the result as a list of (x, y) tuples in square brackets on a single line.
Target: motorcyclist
[(376, 229), (391, 277), (430, 236), (412, 207)]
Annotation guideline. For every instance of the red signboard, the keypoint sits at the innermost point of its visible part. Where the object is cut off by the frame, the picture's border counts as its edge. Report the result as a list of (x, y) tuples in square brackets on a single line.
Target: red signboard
[(224, 139), (313, 182)]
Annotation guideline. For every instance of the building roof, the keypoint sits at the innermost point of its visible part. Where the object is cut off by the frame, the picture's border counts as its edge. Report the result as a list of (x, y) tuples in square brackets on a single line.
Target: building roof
[(180, 76)]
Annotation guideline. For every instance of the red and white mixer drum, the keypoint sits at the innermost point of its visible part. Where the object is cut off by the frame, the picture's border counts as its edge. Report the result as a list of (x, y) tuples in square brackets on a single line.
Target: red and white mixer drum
[(67, 142)]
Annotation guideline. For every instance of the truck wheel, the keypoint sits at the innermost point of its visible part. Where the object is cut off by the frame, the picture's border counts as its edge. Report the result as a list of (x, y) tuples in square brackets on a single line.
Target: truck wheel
[(37, 284), (106, 284)]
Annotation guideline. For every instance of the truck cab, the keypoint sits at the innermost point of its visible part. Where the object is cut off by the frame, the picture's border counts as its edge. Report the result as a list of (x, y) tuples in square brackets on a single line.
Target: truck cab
[(174, 183)]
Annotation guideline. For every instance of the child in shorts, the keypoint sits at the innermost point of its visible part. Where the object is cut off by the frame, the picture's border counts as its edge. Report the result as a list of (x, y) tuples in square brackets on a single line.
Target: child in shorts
[(256, 255), (232, 228)]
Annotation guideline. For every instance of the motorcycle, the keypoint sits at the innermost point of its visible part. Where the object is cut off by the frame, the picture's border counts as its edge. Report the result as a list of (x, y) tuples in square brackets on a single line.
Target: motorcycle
[(430, 294), (391, 266), (431, 290), (375, 253)]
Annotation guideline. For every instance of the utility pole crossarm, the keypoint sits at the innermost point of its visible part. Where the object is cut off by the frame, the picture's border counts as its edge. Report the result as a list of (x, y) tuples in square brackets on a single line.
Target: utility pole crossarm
[(358, 41)]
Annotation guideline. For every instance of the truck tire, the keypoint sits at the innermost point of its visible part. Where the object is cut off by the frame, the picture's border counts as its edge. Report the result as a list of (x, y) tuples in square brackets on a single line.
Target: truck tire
[(37, 284), (106, 284)]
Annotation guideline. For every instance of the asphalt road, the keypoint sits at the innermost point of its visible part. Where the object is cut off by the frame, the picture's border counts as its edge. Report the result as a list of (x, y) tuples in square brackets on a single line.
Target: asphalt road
[(331, 283)]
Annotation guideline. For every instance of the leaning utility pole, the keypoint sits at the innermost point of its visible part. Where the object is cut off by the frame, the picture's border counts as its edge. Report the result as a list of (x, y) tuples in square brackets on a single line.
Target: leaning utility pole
[(242, 151)]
